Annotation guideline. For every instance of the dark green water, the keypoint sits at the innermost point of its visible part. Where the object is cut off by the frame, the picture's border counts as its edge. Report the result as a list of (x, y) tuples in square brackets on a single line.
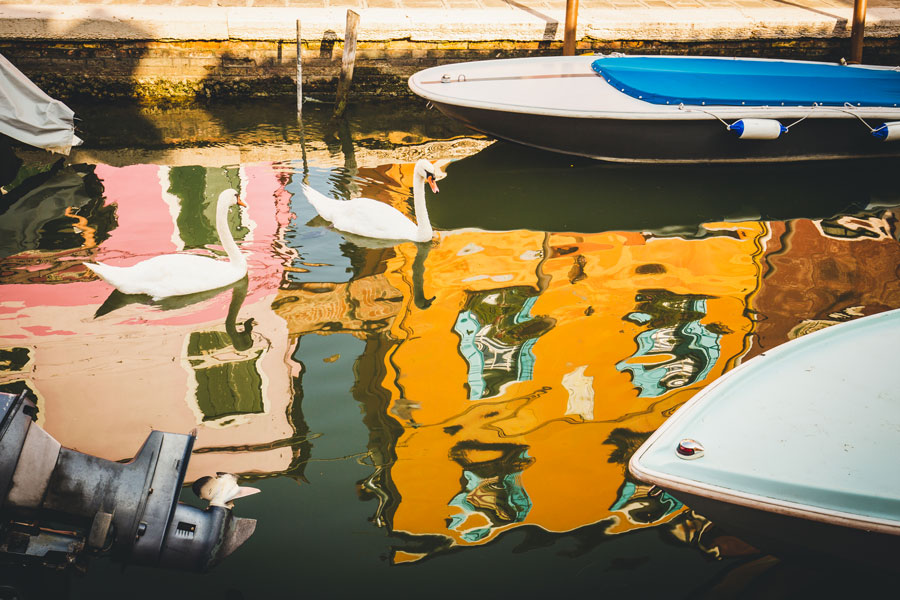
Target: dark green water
[(567, 263)]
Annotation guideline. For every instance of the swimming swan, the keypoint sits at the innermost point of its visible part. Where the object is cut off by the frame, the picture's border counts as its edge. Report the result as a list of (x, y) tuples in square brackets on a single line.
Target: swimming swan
[(180, 274), (373, 219)]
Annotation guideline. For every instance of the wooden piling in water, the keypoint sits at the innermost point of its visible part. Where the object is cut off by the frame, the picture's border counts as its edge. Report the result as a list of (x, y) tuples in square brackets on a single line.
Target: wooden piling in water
[(299, 72), (347, 63)]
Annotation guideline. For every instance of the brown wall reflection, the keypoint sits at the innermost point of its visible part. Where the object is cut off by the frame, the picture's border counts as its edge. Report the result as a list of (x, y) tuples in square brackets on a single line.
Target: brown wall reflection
[(818, 273)]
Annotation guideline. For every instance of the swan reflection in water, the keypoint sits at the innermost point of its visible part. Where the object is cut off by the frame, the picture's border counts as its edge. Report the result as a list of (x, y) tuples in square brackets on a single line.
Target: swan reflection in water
[(418, 276), (239, 333)]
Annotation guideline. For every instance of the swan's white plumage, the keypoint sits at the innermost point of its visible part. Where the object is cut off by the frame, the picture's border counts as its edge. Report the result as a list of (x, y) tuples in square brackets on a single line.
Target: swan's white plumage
[(180, 274), (373, 219)]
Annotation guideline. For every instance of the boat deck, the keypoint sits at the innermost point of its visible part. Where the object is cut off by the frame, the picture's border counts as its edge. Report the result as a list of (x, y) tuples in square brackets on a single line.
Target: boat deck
[(568, 86), (705, 81)]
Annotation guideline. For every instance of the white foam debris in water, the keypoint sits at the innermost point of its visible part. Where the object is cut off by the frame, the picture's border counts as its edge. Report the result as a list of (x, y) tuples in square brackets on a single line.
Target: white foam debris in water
[(581, 393), (495, 278), (470, 248)]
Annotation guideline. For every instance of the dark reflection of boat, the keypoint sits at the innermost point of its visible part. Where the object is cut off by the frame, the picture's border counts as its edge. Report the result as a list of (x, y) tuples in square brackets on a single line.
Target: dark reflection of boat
[(38, 211), (506, 187)]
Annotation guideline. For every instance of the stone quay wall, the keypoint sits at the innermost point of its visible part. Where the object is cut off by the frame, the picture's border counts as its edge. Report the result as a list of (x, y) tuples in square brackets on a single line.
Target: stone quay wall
[(185, 54)]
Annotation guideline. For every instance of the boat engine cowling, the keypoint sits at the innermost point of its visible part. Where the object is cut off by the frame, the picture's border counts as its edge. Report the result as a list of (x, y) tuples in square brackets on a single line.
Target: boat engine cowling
[(60, 506)]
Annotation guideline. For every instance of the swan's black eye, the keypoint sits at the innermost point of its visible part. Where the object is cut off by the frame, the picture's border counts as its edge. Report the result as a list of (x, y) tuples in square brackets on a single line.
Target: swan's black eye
[(427, 175)]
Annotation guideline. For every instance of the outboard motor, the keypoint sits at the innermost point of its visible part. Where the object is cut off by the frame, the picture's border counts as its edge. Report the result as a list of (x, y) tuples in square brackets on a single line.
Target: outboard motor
[(58, 507)]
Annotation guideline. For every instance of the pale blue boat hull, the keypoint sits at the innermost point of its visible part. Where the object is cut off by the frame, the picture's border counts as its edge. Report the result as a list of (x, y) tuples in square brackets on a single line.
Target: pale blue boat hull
[(800, 445)]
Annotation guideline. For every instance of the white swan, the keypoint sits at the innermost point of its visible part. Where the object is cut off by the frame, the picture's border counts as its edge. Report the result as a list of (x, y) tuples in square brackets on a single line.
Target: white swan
[(180, 274), (372, 219)]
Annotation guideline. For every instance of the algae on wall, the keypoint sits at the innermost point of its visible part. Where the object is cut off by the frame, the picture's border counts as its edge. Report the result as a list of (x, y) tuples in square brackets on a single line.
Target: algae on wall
[(183, 72)]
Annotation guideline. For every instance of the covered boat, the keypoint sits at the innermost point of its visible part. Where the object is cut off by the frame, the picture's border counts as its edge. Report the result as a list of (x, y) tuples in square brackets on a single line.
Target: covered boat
[(30, 116), (674, 108), (796, 449)]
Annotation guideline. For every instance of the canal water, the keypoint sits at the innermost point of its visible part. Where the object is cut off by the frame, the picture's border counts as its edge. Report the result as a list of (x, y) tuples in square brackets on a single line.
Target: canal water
[(442, 419)]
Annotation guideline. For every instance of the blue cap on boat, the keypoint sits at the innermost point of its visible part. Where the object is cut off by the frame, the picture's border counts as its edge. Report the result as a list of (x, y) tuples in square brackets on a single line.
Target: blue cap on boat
[(888, 131)]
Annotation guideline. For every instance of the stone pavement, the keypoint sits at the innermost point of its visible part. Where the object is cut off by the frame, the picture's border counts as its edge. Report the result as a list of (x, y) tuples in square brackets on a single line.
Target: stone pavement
[(471, 4), (444, 20)]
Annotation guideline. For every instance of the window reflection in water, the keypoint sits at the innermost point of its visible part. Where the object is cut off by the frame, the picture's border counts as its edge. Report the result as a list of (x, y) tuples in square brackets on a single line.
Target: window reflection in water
[(497, 333), (492, 487), (688, 348)]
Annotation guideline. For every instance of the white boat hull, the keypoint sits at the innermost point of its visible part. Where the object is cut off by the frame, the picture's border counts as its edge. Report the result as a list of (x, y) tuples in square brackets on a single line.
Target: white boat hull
[(560, 104)]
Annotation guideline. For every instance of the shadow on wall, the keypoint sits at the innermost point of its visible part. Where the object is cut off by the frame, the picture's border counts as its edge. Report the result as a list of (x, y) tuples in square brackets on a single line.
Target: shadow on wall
[(269, 71), (107, 73)]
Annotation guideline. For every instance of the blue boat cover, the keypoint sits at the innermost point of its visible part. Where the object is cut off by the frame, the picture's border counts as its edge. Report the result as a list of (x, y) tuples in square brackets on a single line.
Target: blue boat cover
[(747, 82)]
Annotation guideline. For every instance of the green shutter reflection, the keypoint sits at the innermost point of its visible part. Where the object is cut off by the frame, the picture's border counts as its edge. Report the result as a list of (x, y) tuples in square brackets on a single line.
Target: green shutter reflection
[(492, 486), (497, 333), (228, 382), (198, 189), (673, 330)]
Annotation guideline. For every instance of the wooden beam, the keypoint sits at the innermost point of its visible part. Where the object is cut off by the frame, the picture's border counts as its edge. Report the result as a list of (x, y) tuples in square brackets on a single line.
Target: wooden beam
[(857, 32), (571, 26), (347, 63)]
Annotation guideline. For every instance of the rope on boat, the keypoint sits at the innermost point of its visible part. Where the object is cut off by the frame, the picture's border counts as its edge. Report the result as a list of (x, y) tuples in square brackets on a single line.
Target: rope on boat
[(861, 120)]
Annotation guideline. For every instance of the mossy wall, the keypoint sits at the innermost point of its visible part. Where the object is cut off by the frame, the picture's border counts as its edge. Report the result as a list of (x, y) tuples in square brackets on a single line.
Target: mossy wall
[(159, 72)]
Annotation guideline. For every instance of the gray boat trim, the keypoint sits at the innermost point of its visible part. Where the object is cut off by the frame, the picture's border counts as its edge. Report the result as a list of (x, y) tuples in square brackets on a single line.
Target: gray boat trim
[(773, 505)]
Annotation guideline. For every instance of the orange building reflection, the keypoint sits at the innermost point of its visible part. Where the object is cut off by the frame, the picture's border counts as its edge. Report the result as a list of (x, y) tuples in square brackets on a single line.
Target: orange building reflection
[(536, 446), (506, 384)]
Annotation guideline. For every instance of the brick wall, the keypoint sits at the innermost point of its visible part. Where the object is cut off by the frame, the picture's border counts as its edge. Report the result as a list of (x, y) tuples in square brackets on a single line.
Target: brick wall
[(160, 72)]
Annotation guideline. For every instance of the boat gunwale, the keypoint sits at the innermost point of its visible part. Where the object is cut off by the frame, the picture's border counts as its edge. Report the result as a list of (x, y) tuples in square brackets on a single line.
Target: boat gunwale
[(652, 112), (672, 112), (748, 499)]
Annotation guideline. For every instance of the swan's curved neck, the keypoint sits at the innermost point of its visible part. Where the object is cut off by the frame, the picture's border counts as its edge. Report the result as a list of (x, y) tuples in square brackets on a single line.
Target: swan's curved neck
[(224, 231), (423, 223)]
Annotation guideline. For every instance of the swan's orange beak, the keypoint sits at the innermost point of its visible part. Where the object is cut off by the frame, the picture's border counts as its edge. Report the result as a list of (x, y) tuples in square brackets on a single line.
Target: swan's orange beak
[(430, 179), (241, 203)]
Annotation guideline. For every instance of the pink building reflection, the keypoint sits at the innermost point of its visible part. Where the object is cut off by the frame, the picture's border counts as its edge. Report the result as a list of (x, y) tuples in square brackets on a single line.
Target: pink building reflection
[(104, 382)]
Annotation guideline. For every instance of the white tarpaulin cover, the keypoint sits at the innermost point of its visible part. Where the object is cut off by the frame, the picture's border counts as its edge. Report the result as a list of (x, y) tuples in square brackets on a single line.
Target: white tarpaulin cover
[(29, 115)]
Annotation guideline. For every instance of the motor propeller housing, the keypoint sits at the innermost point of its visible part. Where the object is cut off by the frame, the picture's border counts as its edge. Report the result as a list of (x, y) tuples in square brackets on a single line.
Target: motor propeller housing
[(59, 506)]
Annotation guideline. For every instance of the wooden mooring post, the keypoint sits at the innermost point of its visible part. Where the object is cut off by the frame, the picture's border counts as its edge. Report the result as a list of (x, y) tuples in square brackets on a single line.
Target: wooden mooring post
[(571, 26), (347, 62), (857, 31), (299, 72)]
